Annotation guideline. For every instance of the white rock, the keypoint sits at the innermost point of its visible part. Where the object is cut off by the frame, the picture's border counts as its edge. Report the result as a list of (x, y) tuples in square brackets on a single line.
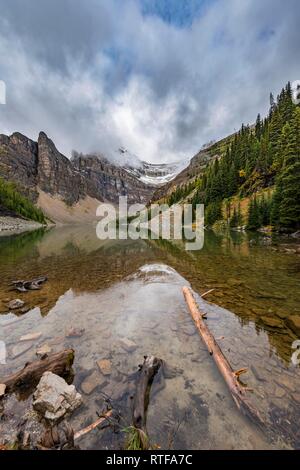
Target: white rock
[(53, 397)]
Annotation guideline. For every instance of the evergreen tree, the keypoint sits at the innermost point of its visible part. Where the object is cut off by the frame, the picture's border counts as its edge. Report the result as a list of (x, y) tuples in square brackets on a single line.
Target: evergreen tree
[(213, 212), (289, 209), (254, 218), (258, 127), (275, 205)]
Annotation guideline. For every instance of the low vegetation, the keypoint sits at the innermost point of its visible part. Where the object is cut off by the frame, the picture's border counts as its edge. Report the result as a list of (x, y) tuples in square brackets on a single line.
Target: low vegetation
[(12, 200)]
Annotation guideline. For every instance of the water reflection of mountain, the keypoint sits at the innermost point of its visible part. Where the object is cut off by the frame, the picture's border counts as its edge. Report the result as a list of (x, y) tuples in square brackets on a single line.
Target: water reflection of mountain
[(254, 282)]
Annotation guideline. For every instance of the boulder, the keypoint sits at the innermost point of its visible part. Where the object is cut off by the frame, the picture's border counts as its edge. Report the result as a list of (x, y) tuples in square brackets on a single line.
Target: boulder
[(53, 397)]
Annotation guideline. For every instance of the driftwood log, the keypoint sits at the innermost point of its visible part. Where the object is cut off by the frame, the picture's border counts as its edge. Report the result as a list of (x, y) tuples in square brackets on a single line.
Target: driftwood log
[(148, 370), (24, 286), (231, 377), (59, 363)]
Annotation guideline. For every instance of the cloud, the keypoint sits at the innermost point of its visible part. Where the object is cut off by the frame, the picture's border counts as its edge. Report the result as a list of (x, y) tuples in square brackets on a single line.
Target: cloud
[(160, 81)]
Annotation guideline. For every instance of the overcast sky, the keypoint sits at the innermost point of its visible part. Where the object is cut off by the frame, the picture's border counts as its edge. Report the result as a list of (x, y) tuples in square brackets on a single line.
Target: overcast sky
[(159, 77)]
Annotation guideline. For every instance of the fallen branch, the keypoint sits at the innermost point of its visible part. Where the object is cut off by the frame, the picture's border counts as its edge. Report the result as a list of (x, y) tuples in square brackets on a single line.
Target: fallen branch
[(231, 377), (58, 363), (208, 292), (94, 425), (148, 370)]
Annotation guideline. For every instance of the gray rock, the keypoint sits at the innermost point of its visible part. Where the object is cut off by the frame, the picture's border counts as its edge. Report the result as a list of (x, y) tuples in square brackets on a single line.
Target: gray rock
[(54, 398)]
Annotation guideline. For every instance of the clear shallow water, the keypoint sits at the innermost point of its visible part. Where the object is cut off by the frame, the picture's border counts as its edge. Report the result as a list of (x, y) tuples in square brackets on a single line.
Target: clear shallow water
[(132, 290)]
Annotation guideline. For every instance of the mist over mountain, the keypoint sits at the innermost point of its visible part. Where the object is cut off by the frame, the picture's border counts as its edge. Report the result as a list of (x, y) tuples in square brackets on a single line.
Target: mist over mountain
[(156, 80)]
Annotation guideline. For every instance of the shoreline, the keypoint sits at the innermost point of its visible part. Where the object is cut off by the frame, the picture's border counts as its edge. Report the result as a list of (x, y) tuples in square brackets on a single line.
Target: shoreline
[(16, 225)]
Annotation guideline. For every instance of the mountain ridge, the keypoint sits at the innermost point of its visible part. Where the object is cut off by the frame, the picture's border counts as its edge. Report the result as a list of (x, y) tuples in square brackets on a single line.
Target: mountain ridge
[(49, 179)]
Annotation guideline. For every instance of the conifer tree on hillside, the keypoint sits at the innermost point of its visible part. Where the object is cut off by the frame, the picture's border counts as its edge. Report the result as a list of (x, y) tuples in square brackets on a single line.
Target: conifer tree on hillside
[(254, 217), (289, 208), (258, 127)]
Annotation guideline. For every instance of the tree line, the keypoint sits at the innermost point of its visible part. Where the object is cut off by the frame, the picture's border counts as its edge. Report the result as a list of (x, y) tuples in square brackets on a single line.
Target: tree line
[(264, 155)]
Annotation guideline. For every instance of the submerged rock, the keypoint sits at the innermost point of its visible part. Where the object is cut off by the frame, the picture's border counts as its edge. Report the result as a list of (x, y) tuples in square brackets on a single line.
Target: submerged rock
[(20, 349), (285, 381), (75, 333), (104, 366), (54, 398), (234, 282), (44, 349), (128, 345), (91, 382), (258, 374), (15, 304), (293, 323), (279, 392), (189, 330), (272, 322), (296, 397), (31, 336)]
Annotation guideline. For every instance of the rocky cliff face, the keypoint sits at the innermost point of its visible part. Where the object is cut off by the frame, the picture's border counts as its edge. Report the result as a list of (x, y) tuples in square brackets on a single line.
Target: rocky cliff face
[(19, 162), (112, 181), (56, 175), (39, 166)]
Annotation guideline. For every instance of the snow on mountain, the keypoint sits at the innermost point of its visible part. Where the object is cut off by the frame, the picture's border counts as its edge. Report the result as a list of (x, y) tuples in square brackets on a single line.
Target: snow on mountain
[(153, 174)]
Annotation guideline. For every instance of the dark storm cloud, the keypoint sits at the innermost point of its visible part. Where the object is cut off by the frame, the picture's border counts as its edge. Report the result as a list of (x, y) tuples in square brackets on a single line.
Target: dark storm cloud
[(158, 79)]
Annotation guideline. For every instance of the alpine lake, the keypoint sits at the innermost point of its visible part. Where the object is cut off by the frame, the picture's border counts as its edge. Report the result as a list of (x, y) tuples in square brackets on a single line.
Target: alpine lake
[(123, 299)]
